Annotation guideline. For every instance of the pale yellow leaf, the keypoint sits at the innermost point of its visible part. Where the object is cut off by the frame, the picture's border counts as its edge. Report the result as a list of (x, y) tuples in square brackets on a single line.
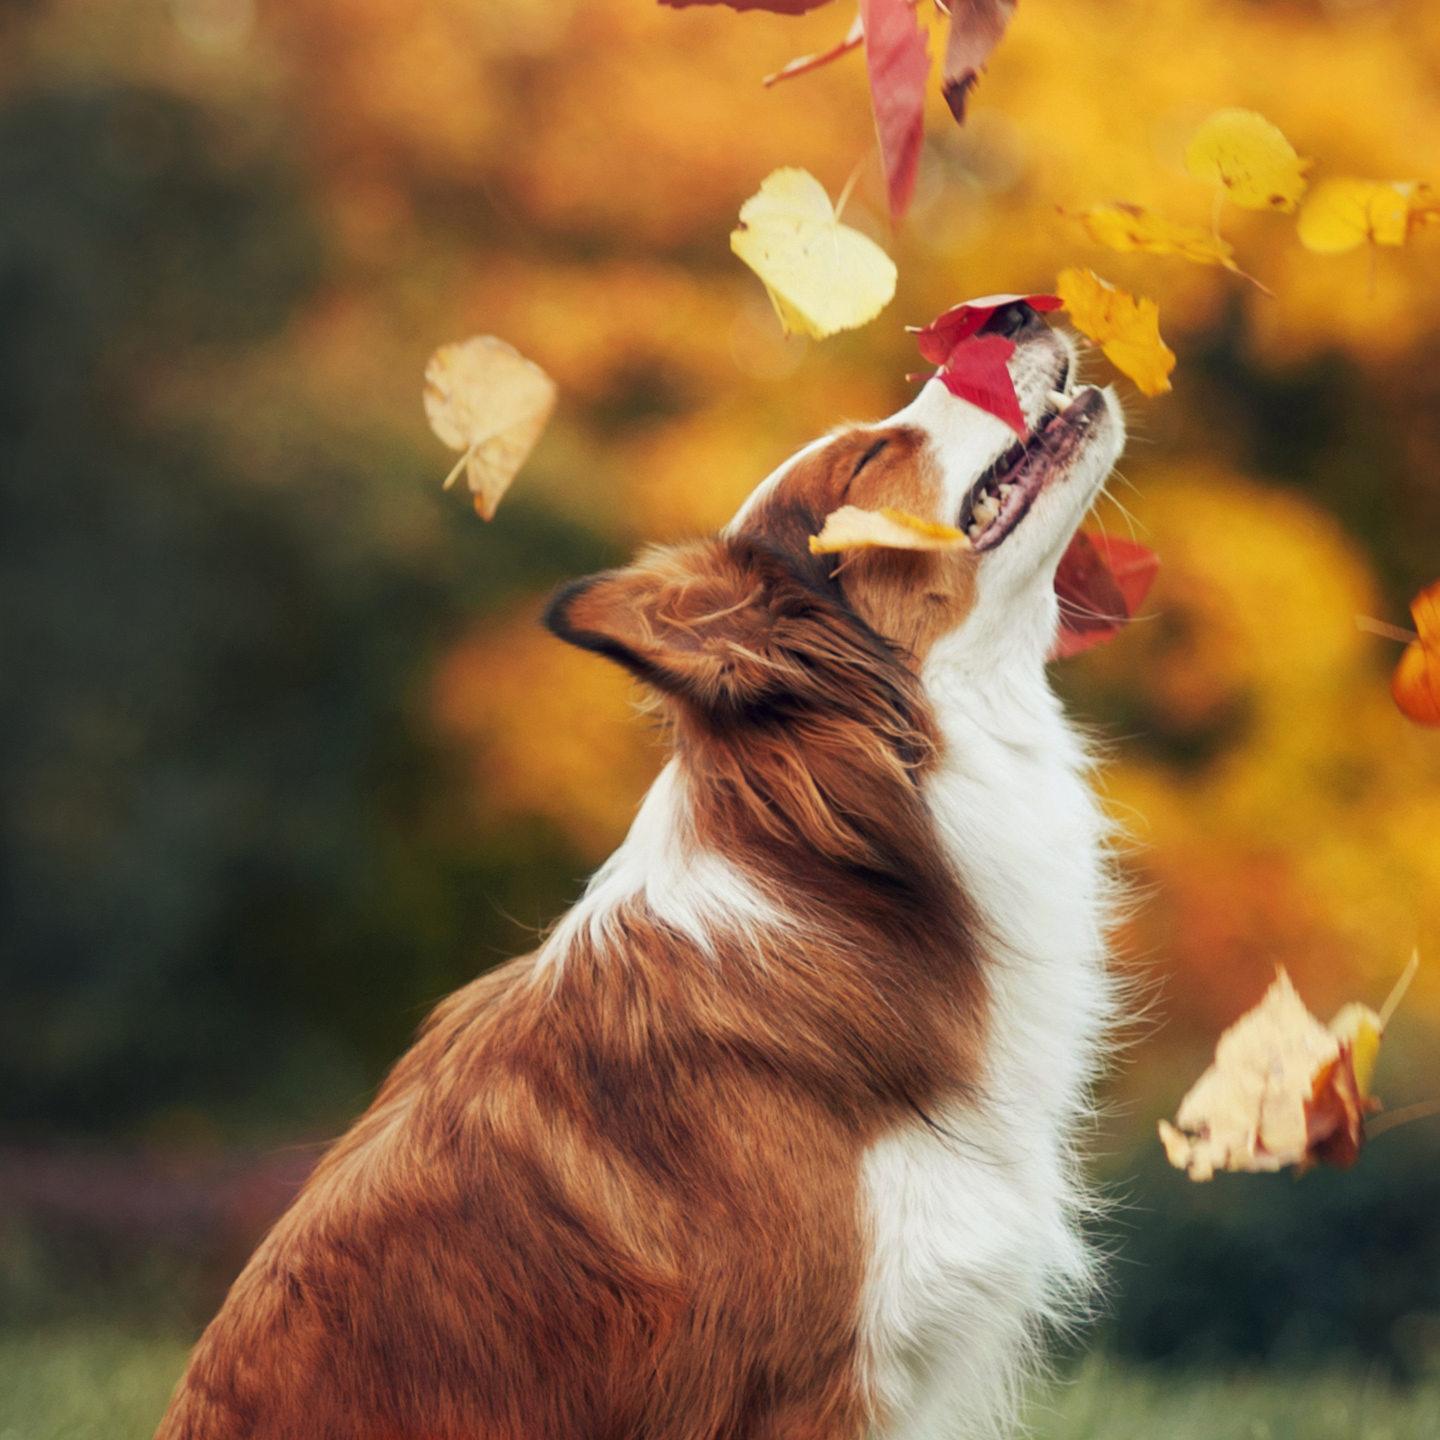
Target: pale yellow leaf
[(822, 276), (485, 399)]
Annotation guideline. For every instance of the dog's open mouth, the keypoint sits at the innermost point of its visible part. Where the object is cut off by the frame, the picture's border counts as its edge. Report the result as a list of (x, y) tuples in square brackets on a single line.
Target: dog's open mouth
[(1004, 493)]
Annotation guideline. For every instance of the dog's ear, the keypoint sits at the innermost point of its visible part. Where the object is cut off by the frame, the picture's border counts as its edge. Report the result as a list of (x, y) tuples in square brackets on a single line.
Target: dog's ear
[(696, 621)]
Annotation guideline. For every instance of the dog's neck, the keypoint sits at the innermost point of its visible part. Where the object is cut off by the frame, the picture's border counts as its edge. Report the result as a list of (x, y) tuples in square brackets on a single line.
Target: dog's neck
[(1013, 802)]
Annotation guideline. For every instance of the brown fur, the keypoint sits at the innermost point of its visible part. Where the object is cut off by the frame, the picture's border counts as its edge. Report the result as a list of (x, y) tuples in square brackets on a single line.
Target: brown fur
[(618, 1196)]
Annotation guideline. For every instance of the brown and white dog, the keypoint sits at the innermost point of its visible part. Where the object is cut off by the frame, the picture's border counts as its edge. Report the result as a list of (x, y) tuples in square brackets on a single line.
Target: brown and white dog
[(772, 1136)]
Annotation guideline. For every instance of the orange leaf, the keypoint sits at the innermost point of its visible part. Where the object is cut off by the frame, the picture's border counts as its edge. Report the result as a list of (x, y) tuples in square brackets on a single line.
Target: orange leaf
[(1416, 682), (1126, 329)]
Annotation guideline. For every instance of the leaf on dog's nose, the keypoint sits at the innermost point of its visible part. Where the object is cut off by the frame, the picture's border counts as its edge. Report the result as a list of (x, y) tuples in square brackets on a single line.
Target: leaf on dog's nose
[(976, 28), (1416, 682), (822, 276), (1133, 229), (851, 528), (1242, 151), (1283, 1089), (1342, 214), (485, 399), (1126, 329), (1101, 583), (938, 339), (976, 367)]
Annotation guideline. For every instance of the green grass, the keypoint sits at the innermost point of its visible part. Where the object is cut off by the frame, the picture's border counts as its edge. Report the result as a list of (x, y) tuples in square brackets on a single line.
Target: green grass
[(102, 1385), (1109, 1402)]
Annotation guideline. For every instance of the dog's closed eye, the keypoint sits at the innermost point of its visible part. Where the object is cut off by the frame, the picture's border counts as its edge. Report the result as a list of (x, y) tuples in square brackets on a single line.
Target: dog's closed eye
[(869, 455)]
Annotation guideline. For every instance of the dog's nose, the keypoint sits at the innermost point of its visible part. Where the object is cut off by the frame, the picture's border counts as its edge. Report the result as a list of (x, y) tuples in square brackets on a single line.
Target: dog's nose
[(1012, 321)]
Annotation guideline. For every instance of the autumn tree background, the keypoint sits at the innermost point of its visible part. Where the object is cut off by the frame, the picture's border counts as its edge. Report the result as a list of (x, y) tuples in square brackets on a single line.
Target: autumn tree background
[(284, 755)]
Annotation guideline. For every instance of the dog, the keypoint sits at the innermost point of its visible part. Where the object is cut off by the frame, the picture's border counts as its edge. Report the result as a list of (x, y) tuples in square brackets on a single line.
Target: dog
[(773, 1137)]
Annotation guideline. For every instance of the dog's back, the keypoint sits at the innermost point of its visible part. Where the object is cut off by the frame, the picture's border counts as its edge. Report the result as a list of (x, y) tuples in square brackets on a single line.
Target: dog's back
[(600, 1202)]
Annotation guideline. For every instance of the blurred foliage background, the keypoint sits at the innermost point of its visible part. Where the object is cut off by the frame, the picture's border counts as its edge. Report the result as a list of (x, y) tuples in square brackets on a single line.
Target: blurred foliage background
[(283, 753)]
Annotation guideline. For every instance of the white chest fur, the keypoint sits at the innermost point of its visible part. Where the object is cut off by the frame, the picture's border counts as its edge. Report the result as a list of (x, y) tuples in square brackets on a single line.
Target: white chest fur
[(974, 1234)]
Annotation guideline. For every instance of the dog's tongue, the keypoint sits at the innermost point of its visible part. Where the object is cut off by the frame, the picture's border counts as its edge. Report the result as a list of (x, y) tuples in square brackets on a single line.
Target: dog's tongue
[(1101, 583)]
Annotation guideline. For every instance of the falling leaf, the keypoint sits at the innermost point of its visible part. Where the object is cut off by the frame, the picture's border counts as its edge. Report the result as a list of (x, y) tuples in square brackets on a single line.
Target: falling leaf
[(976, 28), (1251, 158), (1126, 329), (1101, 583), (1424, 207), (804, 64), (1283, 1090), (822, 276), (485, 399), (975, 367), (1340, 215), (1416, 682), (778, 7), (898, 64), (851, 528), (1132, 228)]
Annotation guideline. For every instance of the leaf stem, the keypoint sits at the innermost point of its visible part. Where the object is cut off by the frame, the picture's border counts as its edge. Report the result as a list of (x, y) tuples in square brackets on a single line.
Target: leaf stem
[(460, 465), (1421, 1110), (1385, 631), (1397, 993), (849, 186)]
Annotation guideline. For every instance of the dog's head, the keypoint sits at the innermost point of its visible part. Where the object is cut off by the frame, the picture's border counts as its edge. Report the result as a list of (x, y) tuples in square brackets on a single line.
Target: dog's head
[(731, 623)]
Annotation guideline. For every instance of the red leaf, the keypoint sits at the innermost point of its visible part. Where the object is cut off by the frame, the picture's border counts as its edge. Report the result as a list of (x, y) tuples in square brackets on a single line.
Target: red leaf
[(978, 371), (898, 64), (1101, 583), (946, 331), (976, 28), (974, 366), (779, 7)]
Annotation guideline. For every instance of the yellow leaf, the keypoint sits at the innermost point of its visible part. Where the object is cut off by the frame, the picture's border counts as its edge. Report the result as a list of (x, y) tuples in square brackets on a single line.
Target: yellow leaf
[(485, 399), (1132, 228), (1341, 214), (822, 276), (1245, 153), (851, 528), (1359, 1027), (1126, 329)]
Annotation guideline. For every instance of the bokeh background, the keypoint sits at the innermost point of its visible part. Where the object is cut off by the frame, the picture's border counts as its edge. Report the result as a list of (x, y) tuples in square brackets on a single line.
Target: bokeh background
[(284, 755)]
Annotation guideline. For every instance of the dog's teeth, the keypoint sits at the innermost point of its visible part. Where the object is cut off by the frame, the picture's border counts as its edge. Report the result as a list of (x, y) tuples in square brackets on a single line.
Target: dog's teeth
[(1006, 491), (986, 509), (1059, 399), (976, 531)]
